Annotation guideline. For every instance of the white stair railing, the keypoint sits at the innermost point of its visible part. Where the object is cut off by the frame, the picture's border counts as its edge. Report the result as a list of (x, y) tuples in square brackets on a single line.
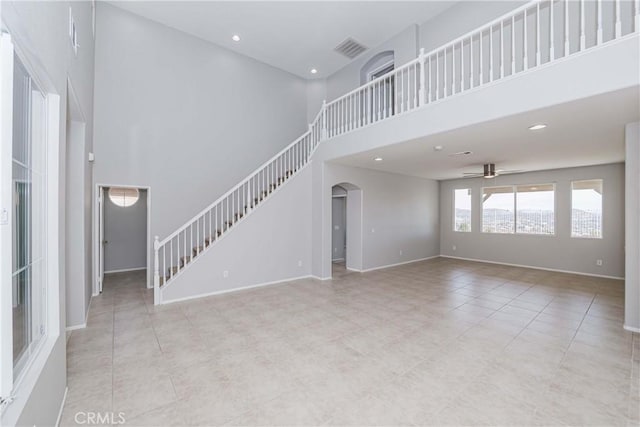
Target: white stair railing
[(175, 252), (530, 36)]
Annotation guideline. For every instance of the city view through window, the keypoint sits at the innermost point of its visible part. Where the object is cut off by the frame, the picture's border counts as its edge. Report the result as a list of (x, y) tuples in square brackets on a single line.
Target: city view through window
[(530, 209), (586, 208)]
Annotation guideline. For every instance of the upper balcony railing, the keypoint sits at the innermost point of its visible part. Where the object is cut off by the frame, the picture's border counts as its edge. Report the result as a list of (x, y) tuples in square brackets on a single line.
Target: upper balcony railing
[(535, 34)]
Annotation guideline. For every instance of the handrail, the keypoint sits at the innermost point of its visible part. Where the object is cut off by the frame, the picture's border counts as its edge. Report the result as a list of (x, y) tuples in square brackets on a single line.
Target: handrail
[(374, 81), (437, 50), (401, 90), (234, 188)]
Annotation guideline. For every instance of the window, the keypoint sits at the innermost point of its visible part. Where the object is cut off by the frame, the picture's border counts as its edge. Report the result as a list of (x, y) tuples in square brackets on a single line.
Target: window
[(498, 210), (462, 210), (28, 235), (586, 208), (29, 218), (533, 205), (124, 197), (535, 209)]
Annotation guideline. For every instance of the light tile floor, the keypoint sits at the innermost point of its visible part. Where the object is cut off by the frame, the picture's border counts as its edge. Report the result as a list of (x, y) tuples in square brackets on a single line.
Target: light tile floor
[(437, 342)]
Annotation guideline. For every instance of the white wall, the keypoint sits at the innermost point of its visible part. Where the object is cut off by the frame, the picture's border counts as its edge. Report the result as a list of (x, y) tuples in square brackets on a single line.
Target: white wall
[(41, 30), (632, 228), (272, 244), (555, 252), (316, 93), (405, 48), (399, 213), (78, 215), (185, 117), (125, 230)]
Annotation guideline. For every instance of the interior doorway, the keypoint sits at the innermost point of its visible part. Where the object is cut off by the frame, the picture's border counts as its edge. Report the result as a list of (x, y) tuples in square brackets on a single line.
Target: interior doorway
[(122, 236), (346, 229), (339, 228)]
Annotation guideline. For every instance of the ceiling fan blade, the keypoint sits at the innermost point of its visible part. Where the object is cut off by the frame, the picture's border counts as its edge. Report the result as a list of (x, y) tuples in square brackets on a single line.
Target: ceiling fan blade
[(503, 171), (473, 173)]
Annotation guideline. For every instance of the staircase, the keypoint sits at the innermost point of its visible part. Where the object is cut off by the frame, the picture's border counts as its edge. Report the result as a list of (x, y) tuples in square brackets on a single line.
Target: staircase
[(530, 37), (175, 253)]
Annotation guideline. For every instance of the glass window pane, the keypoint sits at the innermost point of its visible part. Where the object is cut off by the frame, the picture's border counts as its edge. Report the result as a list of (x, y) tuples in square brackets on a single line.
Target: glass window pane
[(21, 311), (586, 208), (462, 209), (28, 217), (536, 209), (498, 210), (21, 108), (21, 216)]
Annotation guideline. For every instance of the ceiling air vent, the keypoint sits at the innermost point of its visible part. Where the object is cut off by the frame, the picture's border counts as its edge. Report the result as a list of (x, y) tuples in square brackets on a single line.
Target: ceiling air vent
[(350, 48)]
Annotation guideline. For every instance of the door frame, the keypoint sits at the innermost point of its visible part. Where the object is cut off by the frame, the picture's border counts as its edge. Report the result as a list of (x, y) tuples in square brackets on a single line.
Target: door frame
[(98, 221), (344, 215)]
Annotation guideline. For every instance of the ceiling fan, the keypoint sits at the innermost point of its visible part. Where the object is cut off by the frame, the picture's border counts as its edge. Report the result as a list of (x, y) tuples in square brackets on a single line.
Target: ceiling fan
[(489, 171)]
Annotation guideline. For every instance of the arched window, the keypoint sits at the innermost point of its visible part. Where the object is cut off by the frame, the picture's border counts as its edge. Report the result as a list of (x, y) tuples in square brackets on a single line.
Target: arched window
[(124, 197), (377, 66)]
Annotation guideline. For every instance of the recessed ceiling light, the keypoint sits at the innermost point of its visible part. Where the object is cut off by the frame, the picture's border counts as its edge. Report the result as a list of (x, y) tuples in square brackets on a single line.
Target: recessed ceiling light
[(235, 38), (314, 71), (438, 148), (538, 126), (378, 159)]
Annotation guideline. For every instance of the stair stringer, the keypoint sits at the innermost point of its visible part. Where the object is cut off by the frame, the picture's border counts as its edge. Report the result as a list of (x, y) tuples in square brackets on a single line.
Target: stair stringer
[(265, 247)]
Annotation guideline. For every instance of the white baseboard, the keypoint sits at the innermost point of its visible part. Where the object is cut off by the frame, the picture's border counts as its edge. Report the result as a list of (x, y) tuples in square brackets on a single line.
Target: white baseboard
[(533, 267), (399, 263), (226, 291), (125, 270), (86, 318), (76, 327), (320, 278), (337, 260), (631, 329), (64, 400)]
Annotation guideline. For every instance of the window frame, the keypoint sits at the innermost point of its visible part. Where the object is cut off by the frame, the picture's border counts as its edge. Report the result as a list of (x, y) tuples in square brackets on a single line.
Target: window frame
[(601, 237), (14, 392), (513, 191), (515, 232), (555, 210), (453, 192)]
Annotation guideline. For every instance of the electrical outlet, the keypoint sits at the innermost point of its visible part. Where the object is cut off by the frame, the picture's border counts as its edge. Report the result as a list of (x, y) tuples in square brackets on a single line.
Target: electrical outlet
[(225, 274), (454, 247), (373, 230), (599, 262), (299, 263), (400, 253)]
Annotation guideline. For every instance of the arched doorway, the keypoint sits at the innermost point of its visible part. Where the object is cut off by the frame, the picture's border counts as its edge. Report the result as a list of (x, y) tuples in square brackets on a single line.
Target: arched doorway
[(346, 228), (377, 66)]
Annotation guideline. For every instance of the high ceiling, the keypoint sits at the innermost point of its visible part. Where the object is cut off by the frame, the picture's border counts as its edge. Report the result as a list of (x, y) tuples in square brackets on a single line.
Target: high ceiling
[(584, 132), (295, 36)]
